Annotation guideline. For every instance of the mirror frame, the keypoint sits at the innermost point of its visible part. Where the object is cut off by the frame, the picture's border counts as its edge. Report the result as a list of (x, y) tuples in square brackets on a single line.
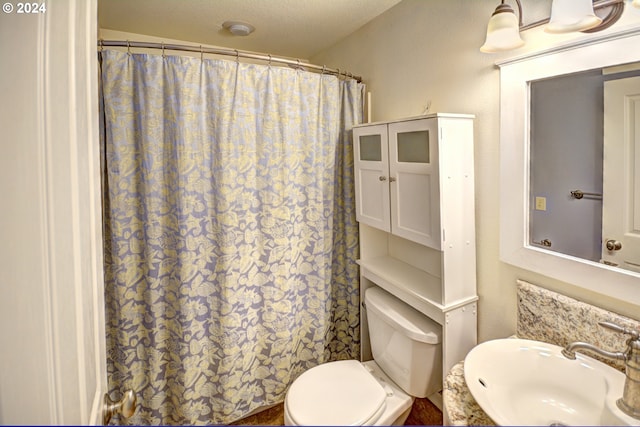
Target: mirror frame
[(515, 77)]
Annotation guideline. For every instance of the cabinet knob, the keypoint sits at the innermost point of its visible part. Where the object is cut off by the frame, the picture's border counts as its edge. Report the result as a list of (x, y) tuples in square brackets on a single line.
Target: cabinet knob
[(392, 179), (382, 178)]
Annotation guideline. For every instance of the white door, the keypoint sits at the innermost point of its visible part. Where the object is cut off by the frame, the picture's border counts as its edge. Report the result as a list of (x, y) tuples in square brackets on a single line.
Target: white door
[(52, 350), (413, 176), (621, 174), (371, 161)]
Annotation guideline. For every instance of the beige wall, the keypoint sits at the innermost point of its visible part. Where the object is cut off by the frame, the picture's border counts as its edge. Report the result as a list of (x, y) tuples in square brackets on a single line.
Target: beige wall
[(425, 51)]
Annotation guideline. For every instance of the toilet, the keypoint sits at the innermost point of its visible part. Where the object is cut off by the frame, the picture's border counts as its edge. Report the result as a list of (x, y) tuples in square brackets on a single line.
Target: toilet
[(407, 364)]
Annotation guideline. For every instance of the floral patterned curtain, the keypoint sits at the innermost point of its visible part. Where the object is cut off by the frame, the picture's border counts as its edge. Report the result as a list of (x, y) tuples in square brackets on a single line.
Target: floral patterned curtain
[(230, 233)]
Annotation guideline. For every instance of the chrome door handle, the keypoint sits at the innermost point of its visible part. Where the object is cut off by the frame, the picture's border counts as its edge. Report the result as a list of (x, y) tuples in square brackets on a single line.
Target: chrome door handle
[(125, 406), (613, 245), (546, 243)]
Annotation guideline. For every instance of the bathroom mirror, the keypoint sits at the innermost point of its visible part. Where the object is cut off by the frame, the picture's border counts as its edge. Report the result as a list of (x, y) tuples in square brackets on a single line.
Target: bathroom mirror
[(519, 78), (578, 167)]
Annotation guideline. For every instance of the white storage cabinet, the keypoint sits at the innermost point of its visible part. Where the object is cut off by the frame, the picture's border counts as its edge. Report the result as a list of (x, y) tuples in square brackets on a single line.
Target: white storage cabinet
[(416, 211)]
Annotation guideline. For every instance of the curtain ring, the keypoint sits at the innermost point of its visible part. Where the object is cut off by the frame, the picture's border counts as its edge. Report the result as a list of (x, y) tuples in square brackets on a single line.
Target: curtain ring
[(237, 56), (201, 53), (323, 68), (298, 63), (269, 64), (128, 48), (163, 50), (101, 44)]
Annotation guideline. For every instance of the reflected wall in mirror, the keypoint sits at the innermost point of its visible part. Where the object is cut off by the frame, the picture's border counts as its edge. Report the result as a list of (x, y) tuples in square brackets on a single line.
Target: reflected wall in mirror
[(517, 75), (568, 139)]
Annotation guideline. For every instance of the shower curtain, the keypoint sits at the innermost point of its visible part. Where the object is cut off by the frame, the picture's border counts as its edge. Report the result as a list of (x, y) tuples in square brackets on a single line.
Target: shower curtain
[(230, 233)]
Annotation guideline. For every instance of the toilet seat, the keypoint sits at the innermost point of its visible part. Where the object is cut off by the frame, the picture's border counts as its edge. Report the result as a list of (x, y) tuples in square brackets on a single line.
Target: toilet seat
[(336, 393)]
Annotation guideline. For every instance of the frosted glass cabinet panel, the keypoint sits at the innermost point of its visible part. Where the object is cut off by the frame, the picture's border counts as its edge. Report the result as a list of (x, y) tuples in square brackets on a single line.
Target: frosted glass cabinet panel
[(371, 148), (413, 147)]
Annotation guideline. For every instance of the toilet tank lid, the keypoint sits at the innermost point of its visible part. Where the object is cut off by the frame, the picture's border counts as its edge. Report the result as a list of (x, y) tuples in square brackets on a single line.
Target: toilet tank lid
[(402, 317)]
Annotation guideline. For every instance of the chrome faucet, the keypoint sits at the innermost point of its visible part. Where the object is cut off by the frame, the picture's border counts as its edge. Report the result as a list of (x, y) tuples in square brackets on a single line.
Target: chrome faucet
[(629, 403)]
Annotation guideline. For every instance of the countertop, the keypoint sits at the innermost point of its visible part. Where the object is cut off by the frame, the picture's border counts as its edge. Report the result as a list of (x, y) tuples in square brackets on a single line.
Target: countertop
[(460, 406)]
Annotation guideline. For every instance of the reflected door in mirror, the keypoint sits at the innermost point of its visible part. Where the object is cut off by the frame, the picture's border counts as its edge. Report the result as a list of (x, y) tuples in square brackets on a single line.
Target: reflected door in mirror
[(621, 174)]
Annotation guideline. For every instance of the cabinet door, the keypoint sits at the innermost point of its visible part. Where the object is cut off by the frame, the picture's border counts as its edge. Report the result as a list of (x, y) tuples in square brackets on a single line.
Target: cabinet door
[(413, 172), (372, 175)]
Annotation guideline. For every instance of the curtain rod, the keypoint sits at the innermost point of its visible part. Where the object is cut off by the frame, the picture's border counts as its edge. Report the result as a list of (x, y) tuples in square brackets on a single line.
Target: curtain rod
[(228, 52)]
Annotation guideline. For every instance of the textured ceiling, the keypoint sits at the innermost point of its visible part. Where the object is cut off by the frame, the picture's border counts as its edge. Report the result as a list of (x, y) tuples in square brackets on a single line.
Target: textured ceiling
[(293, 28)]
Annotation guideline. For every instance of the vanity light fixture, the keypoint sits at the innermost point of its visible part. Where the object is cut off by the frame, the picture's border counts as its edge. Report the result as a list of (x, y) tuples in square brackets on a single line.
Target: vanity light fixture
[(636, 3), (568, 16), (503, 30)]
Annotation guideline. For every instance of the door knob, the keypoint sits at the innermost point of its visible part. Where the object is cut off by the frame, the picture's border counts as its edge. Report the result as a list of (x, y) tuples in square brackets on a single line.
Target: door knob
[(382, 178), (125, 406), (613, 245)]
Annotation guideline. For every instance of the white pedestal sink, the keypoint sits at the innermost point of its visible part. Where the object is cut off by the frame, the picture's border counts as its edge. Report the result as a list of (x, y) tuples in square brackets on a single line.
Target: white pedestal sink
[(524, 382)]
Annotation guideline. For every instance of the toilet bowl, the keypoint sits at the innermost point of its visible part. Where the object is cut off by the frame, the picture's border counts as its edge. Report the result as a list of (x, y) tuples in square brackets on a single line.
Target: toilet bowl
[(407, 364), (346, 392)]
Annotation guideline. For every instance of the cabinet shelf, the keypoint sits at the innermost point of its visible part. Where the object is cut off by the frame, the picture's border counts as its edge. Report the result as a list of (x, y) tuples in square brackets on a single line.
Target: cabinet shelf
[(415, 287)]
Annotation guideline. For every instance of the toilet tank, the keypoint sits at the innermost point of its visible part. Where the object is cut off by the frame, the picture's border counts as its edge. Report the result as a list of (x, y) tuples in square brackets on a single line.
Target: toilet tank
[(405, 343)]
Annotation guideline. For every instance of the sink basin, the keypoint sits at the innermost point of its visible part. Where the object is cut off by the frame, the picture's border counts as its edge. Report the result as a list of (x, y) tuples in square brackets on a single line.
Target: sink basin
[(524, 382)]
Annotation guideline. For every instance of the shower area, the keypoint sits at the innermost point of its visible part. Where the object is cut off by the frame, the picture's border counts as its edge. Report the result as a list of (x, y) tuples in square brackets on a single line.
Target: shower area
[(230, 240)]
